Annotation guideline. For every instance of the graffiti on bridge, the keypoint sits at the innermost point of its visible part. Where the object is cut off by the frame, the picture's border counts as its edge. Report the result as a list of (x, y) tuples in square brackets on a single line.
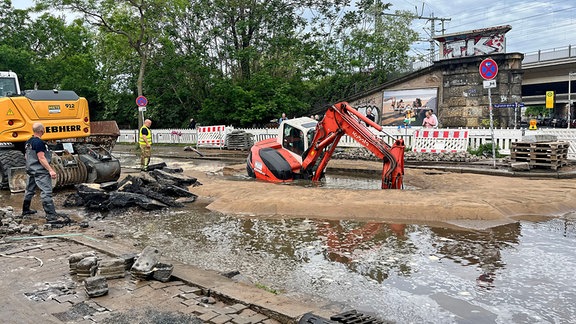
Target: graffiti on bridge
[(474, 45)]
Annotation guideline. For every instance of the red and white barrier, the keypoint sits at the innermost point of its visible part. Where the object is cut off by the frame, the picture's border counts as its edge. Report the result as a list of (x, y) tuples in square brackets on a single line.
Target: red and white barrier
[(212, 136), (440, 140)]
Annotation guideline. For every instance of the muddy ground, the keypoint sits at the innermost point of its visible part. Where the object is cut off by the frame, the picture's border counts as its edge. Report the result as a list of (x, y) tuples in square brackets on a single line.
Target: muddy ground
[(463, 199), (436, 196)]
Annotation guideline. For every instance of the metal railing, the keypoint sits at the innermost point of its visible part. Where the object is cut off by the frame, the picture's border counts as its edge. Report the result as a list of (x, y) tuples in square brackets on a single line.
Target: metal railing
[(550, 54)]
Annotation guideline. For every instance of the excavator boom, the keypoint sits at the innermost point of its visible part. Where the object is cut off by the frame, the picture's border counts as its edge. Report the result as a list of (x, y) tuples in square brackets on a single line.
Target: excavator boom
[(341, 119)]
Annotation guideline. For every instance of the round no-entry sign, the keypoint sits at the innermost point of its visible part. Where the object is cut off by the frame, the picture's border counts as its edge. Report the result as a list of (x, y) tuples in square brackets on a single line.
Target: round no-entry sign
[(488, 69), (141, 101)]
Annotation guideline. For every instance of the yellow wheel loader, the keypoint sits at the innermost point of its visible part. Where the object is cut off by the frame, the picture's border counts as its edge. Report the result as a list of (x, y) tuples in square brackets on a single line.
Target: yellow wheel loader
[(81, 146)]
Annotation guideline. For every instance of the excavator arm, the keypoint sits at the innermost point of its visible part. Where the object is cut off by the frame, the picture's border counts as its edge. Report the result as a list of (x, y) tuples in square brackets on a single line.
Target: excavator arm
[(342, 119)]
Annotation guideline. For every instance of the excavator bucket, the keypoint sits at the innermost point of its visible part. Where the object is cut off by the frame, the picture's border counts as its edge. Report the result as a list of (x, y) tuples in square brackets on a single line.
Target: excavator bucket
[(104, 133), (17, 179)]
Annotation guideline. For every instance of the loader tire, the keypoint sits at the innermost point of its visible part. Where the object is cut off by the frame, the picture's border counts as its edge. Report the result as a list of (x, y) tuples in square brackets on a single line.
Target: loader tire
[(9, 159)]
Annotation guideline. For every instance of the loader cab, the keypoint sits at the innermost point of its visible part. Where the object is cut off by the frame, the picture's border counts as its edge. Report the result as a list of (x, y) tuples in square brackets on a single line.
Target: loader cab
[(9, 85), (297, 134)]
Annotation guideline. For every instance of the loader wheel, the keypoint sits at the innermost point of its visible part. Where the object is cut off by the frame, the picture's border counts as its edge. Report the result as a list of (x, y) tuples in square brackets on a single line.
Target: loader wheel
[(9, 159)]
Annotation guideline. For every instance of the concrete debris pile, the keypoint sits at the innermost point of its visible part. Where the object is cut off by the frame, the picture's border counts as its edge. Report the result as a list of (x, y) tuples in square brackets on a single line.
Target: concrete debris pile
[(156, 189), (95, 271), (11, 223)]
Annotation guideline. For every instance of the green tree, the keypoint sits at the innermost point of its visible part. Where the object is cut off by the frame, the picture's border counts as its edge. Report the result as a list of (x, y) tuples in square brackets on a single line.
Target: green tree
[(227, 61), (47, 52), (139, 23)]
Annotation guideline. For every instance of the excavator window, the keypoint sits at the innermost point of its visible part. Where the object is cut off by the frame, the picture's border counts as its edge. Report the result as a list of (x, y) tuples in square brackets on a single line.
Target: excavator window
[(293, 139)]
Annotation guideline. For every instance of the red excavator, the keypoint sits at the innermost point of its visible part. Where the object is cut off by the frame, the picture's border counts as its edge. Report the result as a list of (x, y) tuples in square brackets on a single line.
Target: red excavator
[(304, 146)]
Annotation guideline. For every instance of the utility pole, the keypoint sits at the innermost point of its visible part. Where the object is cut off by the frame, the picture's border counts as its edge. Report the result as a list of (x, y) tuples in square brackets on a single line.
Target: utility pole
[(432, 20)]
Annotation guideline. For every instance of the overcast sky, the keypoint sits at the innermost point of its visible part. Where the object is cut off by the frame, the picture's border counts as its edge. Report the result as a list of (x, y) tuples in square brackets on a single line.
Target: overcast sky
[(535, 24)]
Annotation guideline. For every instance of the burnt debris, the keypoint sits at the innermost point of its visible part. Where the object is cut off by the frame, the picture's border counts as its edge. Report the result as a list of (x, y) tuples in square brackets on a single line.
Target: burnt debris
[(158, 188)]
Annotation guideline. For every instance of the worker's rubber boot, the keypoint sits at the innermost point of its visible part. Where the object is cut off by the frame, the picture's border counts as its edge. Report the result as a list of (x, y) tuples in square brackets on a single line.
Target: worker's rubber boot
[(145, 163), (53, 217), (26, 208)]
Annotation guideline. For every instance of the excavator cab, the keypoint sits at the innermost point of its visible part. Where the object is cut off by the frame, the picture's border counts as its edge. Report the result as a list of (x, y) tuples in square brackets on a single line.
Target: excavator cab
[(293, 139)]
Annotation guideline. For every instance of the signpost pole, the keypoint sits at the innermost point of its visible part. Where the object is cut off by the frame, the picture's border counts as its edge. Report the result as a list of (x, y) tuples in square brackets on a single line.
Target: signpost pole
[(515, 115), (488, 71), (570, 75), (141, 116), (492, 128)]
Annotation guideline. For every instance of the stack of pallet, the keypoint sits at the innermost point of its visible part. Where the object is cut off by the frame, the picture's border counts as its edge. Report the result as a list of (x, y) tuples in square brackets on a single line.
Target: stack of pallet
[(239, 140), (551, 155)]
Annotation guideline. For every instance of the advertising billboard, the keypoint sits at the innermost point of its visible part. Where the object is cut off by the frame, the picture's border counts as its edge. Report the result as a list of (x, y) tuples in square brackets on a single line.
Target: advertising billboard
[(411, 103)]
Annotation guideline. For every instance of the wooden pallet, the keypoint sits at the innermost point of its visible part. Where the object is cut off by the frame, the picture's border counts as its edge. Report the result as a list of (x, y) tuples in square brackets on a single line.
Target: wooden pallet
[(540, 154)]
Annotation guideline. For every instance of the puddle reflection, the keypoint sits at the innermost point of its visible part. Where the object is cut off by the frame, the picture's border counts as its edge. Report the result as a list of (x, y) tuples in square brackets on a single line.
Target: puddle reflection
[(400, 272)]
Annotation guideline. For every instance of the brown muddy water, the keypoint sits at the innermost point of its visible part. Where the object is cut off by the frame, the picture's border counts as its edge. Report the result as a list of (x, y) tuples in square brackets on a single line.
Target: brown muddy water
[(523, 272)]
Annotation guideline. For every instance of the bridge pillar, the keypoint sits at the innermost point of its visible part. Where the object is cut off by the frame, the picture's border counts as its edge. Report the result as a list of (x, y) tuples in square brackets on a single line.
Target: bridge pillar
[(463, 101)]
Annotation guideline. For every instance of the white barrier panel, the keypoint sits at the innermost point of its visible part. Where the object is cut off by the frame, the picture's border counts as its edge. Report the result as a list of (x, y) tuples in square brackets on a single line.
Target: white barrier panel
[(438, 140), (212, 136)]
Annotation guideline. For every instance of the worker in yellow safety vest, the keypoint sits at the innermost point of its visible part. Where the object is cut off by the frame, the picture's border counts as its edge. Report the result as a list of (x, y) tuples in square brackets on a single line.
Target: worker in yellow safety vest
[(145, 142)]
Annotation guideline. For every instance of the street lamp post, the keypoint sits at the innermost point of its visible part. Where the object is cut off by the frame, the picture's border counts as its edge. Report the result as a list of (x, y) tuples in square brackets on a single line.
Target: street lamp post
[(570, 75)]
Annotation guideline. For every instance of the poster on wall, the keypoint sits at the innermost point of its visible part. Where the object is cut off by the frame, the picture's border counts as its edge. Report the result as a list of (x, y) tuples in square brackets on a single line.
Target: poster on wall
[(401, 105)]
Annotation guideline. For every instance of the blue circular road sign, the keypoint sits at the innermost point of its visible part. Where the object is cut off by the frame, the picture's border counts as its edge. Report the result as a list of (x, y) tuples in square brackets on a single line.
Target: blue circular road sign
[(141, 101), (488, 69)]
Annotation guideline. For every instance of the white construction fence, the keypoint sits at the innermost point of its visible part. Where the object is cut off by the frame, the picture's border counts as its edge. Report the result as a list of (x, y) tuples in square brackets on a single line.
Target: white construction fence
[(414, 138)]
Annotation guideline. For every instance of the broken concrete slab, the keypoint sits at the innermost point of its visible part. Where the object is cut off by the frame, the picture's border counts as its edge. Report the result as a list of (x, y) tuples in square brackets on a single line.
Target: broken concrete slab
[(520, 166), (73, 259), (128, 199), (179, 179), (96, 286), (87, 267), (163, 272), (145, 263), (111, 268)]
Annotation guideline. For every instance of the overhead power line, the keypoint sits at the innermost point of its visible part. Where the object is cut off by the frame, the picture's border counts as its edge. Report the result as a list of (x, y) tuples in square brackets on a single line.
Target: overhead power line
[(432, 19)]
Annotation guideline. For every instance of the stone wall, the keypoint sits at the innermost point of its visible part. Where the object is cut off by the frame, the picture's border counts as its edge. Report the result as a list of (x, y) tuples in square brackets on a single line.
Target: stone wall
[(464, 101)]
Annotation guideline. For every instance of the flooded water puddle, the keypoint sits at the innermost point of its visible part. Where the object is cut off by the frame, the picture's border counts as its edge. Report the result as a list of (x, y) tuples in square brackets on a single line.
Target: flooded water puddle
[(407, 273), (330, 181)]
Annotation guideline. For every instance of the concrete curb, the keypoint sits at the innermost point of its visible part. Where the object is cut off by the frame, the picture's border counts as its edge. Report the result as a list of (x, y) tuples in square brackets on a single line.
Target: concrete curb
[(500, 172)]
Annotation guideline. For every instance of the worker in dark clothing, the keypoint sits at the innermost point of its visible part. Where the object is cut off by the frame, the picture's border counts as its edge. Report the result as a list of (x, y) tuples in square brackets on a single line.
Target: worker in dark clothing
[(192, 124), (40, 175), (370, 115)]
